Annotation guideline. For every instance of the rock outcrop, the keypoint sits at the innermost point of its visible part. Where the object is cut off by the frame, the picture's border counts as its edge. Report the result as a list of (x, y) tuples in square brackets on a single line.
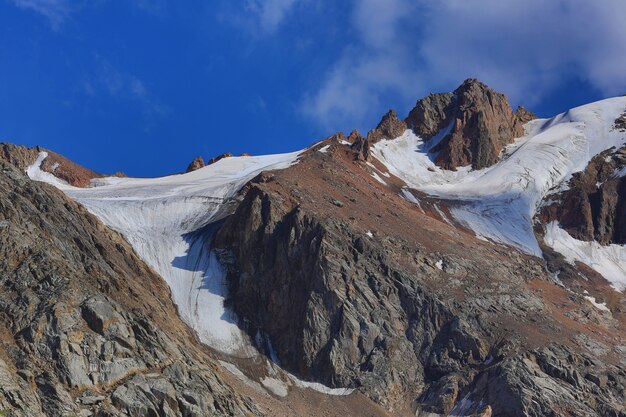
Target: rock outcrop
[(593, 207), (475, 123), (360, 145), (524, 115), (620, 123), (195, 164), (390, 127), (219, 157)]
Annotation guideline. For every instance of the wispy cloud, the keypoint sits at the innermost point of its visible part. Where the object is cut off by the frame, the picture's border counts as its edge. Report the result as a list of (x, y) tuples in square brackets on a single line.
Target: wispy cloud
[(56, 11), (522, 48), (378, 64), (109, 80), (270, 13), (259, 17)]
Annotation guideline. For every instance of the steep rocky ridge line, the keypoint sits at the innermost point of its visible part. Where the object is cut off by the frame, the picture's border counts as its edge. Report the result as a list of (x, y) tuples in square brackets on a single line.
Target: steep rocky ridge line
[(345, 279), (354, 287)]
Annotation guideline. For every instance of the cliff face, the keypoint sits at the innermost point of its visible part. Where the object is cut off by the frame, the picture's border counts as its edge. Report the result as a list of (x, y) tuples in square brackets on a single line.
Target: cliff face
[(478, 123), (354, 287), (593, 205), (87, 328)]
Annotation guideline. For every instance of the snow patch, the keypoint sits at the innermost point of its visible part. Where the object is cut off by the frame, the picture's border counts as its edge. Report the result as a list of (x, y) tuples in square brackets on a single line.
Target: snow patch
[(170, 222), (324, 149), (377, 178), (35, 172), (408, 195), (439, 264), (609, 261), (275, 386), (599, 306), (320, 387), (442, 215)]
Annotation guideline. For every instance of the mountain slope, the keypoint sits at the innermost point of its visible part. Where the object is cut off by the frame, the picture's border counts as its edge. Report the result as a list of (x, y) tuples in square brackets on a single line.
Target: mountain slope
[(363, 264), (88, 328)]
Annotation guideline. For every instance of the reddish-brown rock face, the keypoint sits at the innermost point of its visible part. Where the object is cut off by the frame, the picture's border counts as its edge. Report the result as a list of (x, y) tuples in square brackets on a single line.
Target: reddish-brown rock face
[(62, 168), (218, 157), (195, 164), (481, 124), (593, 206), (360, 145), (524, 115), (390, 127)]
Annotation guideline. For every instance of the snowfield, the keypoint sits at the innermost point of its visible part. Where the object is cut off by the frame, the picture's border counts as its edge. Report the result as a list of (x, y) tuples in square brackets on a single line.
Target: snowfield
[(170, 223), (609, 261), (499, 202)]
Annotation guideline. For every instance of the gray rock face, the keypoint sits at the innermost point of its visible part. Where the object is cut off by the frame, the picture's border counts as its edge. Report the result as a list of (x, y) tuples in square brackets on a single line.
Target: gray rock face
[(620, 123), (431, 114), (79, 314), (341, 308)]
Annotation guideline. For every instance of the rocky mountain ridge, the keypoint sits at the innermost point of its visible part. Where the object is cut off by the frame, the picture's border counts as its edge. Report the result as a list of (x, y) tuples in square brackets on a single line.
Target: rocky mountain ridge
[(341, 270)]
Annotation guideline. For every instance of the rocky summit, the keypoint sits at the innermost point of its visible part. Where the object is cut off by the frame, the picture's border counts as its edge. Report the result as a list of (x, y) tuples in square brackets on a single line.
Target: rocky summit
[(466, 260)]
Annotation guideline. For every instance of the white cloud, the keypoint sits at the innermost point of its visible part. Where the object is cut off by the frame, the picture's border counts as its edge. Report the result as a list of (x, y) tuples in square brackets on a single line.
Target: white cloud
[(270, 13), (56, 11), (109, 80), (524, 49), (378, 64)]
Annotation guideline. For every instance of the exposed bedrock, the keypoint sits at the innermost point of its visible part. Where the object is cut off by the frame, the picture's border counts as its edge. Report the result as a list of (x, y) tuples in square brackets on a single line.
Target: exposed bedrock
[(593, 207), (478, 122), (336, 307)]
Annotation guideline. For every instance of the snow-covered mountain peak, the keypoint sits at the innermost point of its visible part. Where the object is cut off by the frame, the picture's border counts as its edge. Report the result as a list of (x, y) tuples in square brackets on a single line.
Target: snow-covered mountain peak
[(499, 202)]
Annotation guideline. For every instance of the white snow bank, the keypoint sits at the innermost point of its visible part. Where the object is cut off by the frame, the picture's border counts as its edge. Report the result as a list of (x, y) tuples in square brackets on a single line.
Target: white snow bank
[(377, 178), (324, 149), (315, 386), (499, 202), (168, 221), (276, 386), (35, 172), (599, 306), (609, 261)]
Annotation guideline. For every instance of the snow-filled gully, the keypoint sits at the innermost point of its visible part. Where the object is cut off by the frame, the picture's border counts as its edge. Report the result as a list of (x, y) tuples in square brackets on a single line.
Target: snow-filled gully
[(171, 222)]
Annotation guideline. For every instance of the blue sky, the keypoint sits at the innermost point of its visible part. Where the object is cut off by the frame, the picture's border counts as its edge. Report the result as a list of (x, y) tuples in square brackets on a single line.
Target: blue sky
[(144, 86)]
